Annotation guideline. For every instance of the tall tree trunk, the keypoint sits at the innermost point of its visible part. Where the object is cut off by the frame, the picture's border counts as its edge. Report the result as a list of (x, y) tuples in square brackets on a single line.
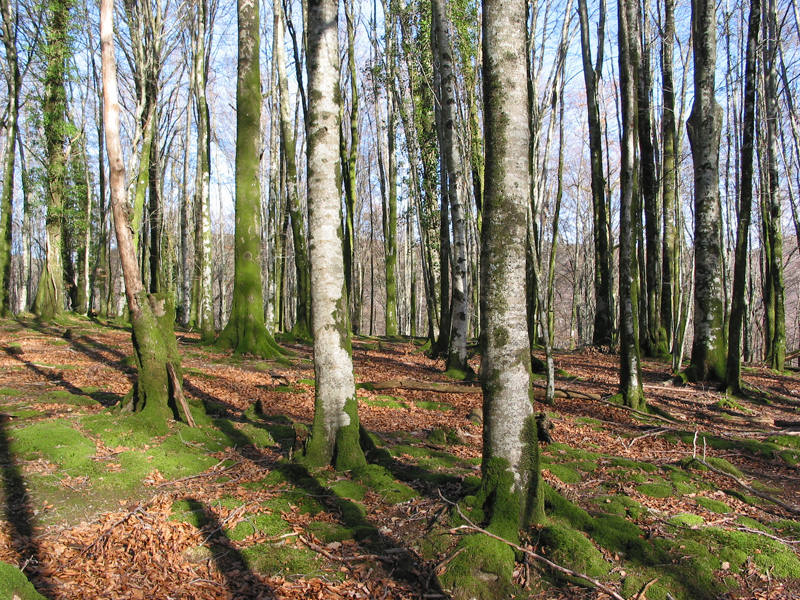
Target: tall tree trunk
[(604, 298), (459, 317), (739, 306), (151, 315), (9, 34), (655, 345), (50, 295), (510, 495), (774, 280), (630, 363), (704, 127), (185, 308), (349, 162), (335, 431), (669, 177), (245, 332), (390, 211), (203, 296), (302, 326)]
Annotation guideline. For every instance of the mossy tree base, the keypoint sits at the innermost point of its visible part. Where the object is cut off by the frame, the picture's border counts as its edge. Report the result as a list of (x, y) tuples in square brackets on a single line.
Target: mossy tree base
[(245, 334), (154, 347), (341, 449)]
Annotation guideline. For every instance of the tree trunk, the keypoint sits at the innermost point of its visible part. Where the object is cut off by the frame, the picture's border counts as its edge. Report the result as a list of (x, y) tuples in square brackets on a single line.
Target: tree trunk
[(245, 332), (50, 295), (604, 300), (302, 327), (630, 363), (739, 306), (774, 280), (335, 430), (202, 296), (390, 211), (510, 495), (704, 127), (459, 317), (350, 160), (669, 177), (9, 34), (151, 315)]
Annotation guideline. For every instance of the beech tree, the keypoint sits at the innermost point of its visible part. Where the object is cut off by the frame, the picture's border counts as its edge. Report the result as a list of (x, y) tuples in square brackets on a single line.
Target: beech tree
[(152, 315), (630, 361), (510, 495), (245, 332), (50, 295), (335, 430), (704, 127)]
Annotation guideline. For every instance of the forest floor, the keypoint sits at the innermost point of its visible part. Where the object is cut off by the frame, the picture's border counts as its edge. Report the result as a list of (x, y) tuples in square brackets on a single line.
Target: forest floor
[(96, 507)]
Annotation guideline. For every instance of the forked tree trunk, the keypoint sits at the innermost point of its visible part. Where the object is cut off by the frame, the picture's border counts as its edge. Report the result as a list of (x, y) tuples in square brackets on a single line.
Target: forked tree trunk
[(245, 332), (151, 315), (335, 430)]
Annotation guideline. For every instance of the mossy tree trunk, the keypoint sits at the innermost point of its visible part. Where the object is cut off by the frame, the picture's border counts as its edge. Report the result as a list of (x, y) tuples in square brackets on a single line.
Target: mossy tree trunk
[(202, 296), (739, 305), (630, 364), (335, 431), (510, 496), (302, 326), (604, 298), (704, 128), (9, 34), (50, 295), (390, 207), (99, 280), (459, 317), (349, 162), (245, 332), (655, 343), (185, 303), (151, 315), (669, 179), (774, 295)]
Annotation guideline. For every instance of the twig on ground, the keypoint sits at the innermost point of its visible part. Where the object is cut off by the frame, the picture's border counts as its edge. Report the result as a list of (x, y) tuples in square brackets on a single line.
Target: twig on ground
[(556, 567), (787, 507), (644, 589), (650, 433)]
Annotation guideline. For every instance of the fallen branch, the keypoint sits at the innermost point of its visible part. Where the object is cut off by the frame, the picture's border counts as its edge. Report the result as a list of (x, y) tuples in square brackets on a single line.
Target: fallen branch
[(788, 507), (538, 557), (639, 412), (177, 391), (643, 591), (651, 433)]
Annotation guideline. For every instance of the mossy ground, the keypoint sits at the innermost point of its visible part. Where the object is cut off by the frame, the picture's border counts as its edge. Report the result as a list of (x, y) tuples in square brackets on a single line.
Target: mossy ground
[(629, 518)]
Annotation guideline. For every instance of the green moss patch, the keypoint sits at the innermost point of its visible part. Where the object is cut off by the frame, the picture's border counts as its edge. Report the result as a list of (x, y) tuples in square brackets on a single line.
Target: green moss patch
[(280, 560), (384, 401), (481, 571), (687, 520), (349, 489), (6, 391), (14, 584), (56, 442), (572, 549), (620, 505), (564, 473), (655, 490), (713, 505), (379, 480), (65, 397), (327, 532), (269, 524), (430, 405)]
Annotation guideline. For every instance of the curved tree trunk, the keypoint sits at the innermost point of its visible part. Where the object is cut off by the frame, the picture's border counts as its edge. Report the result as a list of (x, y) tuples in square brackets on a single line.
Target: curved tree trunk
[(151, 315)]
